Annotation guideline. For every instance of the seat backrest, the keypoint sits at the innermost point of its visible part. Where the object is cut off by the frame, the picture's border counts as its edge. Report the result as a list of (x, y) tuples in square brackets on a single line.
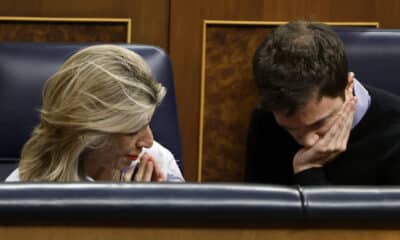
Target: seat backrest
[(24, 67), (373, 55)]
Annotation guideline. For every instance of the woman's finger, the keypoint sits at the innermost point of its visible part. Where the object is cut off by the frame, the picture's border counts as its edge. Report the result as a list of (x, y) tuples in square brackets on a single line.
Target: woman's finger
[(158, 176), (129, 173), (149, 171), (142, 167)]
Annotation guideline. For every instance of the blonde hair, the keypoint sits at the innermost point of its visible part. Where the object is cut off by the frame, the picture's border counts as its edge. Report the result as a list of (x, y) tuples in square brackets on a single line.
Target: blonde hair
[(98, 91)]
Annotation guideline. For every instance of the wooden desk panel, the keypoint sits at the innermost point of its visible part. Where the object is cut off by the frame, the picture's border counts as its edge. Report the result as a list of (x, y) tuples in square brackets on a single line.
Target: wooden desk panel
[(187, 233)]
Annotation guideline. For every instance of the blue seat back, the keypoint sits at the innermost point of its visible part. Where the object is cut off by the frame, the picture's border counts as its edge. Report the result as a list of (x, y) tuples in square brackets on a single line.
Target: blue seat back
[(374, 56)]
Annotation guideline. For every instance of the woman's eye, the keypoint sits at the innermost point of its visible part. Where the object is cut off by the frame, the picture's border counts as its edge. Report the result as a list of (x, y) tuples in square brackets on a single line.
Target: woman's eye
[(132, 134)]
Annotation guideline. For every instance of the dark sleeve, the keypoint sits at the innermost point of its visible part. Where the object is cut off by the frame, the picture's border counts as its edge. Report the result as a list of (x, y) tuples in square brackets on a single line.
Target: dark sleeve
[(254, 168), (311, 176), (390, 175), (263, 159)]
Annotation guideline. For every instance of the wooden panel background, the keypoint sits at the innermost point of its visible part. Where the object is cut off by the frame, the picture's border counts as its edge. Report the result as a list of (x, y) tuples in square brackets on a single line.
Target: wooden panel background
[(229, 95), (65, 30), (186, 24), (150, 18)]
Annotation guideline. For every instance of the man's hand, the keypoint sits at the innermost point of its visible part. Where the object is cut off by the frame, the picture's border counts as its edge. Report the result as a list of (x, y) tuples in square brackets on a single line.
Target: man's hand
[(331, 144), (148, 171)]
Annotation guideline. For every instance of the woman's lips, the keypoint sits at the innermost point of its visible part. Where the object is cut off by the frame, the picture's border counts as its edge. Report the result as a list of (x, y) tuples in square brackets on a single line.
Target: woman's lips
[(132, 157)]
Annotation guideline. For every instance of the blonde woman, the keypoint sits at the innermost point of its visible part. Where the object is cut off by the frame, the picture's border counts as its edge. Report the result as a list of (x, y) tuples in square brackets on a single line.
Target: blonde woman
[(94, 123)]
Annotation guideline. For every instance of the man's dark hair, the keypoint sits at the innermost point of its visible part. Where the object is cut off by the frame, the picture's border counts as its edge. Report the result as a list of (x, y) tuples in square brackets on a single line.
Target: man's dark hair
[(298, 61)]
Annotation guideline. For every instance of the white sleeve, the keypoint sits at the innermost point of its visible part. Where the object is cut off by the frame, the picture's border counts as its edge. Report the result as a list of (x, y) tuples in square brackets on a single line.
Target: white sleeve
[(166, 161), (13, 177)]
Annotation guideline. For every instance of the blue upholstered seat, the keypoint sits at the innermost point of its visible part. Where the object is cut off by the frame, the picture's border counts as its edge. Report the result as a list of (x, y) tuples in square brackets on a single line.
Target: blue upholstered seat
[(374, 56), (25, 67)]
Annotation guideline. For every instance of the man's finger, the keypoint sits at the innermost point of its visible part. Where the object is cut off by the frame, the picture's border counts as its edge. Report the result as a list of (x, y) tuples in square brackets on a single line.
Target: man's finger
[(341, 142), (330, 136)]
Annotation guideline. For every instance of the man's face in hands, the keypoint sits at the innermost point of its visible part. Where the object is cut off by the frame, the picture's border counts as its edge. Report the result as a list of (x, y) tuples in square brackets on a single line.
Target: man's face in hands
[(312, 121)]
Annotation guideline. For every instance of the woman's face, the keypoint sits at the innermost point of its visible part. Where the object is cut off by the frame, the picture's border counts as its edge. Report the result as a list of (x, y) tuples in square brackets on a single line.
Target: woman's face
[(118, 153), (127, 147)]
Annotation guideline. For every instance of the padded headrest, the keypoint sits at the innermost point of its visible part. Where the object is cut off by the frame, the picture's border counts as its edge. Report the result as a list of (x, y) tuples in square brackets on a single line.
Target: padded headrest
[(373, 55)]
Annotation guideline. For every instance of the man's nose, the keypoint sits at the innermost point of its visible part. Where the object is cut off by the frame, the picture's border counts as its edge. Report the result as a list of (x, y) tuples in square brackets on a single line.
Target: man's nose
[(145, 138)]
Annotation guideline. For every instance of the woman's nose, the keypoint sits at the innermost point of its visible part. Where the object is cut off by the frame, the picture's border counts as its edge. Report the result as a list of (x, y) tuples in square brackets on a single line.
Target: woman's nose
[(145, 138)]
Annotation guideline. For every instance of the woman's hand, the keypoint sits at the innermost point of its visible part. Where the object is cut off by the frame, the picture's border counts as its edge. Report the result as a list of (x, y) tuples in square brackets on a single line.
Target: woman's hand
[(147, 171)]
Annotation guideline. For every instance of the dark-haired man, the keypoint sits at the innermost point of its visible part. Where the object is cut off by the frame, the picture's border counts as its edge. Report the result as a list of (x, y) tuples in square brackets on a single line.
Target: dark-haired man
[(316, 124)]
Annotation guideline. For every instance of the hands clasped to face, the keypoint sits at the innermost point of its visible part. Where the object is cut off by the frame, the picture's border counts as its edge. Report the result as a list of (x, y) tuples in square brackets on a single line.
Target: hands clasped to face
[(146, 171), (322, 126)]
